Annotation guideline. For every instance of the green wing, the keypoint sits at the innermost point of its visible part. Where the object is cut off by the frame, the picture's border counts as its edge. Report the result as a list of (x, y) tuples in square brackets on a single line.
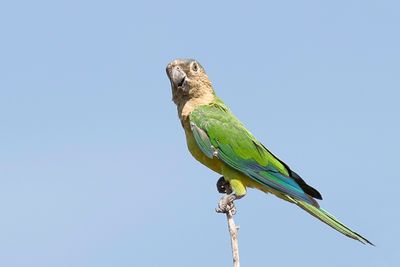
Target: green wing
[(218, 133)]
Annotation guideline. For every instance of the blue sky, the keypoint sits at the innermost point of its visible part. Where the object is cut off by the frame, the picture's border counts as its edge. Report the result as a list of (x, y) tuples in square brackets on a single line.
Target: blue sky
[(94, 169)]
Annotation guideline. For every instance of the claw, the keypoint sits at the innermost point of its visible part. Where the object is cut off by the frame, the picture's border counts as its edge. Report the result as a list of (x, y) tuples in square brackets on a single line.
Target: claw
[(226, 204)]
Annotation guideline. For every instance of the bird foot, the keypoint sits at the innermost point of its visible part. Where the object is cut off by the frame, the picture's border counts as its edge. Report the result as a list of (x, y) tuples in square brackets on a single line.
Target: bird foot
[(226, 204), (223, 186)]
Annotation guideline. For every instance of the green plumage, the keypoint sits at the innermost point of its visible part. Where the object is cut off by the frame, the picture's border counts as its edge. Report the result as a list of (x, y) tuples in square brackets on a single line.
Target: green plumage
[(224, 128), (217, 139), (220, 134)]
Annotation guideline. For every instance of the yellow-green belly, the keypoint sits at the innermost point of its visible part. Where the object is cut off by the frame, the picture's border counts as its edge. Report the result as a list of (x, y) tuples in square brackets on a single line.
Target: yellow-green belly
[(214, 164)]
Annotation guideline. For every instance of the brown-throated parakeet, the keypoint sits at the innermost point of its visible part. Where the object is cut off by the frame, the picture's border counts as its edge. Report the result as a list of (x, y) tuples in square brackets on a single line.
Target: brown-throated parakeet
[(217, 139)]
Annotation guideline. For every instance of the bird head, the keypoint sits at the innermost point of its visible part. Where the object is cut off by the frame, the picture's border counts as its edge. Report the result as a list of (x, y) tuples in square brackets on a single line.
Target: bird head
[(188, 79)]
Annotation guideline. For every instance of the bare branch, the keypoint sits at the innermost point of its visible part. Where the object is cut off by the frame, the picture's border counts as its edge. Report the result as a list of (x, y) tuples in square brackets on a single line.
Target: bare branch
[(227, 206), (233, 230)]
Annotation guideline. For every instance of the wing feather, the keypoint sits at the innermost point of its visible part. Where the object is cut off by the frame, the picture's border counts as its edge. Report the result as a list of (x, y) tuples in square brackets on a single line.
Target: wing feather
[(218, 133)]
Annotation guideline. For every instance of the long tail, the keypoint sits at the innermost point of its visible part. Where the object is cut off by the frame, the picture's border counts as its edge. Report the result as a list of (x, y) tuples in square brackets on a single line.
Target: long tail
[(330, 220)]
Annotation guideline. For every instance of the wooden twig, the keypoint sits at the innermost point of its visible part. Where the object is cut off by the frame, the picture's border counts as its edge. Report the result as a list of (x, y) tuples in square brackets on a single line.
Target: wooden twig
[(229, 209), (233, 231)]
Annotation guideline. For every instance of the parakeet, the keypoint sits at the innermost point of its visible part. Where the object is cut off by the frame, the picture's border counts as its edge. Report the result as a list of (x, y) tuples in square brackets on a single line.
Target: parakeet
[(217, 139)]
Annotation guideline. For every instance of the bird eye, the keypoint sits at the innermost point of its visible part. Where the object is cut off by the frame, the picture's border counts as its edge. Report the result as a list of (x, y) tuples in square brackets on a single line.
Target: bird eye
[(195, 67)]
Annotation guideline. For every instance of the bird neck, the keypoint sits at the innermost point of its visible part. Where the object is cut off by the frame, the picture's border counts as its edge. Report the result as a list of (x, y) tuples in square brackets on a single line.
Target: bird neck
[(186, 104)]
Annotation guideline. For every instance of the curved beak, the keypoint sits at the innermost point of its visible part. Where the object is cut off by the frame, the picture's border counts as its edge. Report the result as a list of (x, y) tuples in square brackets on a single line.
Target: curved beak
[(176, 75)]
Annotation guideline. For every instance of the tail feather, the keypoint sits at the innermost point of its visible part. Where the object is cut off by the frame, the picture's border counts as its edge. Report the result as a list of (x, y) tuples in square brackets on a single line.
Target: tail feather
[(330, 220)]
